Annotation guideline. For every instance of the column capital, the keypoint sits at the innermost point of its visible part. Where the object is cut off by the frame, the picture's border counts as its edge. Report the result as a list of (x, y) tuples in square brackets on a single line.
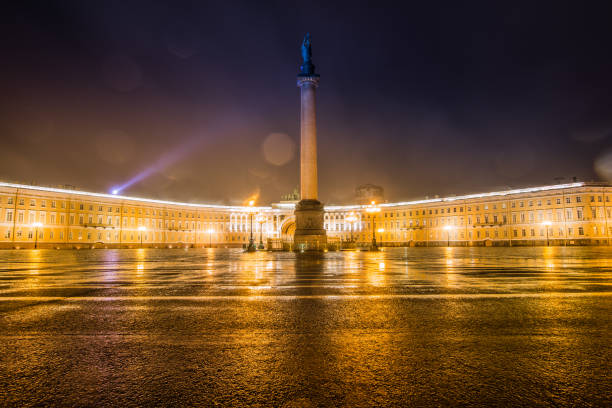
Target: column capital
[(308, 80)]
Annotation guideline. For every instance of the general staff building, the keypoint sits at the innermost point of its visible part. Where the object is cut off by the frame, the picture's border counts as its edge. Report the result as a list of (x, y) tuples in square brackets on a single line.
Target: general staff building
[(576, 213)]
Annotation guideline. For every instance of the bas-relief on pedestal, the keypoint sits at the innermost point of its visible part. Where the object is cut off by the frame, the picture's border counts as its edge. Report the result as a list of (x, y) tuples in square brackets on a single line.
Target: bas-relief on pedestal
[(309, 231)]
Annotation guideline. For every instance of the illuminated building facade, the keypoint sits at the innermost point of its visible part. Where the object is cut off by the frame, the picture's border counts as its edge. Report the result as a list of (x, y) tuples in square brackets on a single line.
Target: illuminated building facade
[(564, 214)]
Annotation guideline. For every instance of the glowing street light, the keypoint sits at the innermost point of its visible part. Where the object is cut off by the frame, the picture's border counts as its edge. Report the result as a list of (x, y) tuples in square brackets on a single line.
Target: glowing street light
[(210, 231), (142, 229), (546, 225), (251, 247), (36, 225), (373, 209), (448, 229), (261, 219), (380, 231), (351, 218)]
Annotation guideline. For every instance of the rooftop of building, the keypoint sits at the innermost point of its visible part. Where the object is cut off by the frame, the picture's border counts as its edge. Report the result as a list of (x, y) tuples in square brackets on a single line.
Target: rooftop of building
[(290, 205)]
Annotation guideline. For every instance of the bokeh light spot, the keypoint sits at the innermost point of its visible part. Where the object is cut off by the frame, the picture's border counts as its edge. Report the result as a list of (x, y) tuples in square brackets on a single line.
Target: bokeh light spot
[(278, 149)]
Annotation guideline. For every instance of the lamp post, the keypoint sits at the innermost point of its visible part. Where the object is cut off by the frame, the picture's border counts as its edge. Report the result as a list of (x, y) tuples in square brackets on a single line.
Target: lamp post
[(448, 228), (546, 225), (141, 229), (380, 231), (372, 210), (261, 219), (351, 218), (36, 225), (251, 247), (210, 231)]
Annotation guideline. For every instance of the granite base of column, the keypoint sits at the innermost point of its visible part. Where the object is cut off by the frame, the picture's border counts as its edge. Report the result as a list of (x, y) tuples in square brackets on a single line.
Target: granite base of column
[(309, 232)]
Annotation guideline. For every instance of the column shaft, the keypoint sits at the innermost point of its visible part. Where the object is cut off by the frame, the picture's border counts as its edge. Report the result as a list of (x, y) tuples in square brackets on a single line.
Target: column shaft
[(308, 141)]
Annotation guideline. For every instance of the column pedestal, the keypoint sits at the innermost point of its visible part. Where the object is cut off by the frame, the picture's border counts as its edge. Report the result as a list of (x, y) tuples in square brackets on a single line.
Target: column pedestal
[(309, 232)]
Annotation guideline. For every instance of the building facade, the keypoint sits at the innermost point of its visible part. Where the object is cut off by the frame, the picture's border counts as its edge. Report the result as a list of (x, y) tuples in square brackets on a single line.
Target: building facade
[(564, 214)]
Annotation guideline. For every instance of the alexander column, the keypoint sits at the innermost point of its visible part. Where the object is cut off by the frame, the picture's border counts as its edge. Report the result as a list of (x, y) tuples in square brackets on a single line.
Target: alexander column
[(309, 231)]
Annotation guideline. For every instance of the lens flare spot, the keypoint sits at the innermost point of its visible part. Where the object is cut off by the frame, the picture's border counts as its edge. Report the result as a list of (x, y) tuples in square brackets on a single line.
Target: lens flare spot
[(278, 149)]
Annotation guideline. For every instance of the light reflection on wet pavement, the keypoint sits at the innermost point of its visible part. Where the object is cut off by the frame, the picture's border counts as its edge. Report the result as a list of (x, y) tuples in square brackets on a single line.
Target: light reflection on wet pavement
[(417, 326)]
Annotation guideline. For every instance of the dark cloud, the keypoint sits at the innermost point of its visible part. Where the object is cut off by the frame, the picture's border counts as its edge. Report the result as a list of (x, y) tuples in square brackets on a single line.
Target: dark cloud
[(423, 99)]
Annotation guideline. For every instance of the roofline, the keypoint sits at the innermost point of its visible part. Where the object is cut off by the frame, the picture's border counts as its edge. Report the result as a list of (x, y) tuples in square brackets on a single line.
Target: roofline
[(290, 206), (127, 198), (467, 196)]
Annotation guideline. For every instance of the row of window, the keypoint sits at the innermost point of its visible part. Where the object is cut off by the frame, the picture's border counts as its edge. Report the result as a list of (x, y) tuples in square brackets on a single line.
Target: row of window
[(100, 208)]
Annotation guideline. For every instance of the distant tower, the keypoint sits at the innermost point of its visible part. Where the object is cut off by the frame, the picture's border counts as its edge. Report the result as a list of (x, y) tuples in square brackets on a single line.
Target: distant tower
[(366, 193), (309, 231)]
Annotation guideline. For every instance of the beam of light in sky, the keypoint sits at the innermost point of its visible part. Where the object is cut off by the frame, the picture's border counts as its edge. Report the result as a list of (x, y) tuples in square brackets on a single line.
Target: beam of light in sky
[(163, 162)]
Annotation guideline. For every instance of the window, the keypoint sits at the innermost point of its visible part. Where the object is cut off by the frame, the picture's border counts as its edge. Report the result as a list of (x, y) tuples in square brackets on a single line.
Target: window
[(81, 206), (567, 200), (558, 201), (580, 231), (521, 204), (43, 203), (32, 203), (579, 199), (9, 215), (592, 199), (21, 201), (9, 200)]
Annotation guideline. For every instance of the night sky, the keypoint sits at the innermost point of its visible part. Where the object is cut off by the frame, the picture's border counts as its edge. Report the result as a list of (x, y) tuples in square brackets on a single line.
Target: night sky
[(424, 98)]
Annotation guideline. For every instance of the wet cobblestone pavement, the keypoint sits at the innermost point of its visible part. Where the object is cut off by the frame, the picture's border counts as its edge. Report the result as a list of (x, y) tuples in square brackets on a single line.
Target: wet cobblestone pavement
[(202, 327)]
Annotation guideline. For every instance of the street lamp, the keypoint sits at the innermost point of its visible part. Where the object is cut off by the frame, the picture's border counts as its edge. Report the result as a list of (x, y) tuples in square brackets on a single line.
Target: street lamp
[(373, 209), (351, 218), (36, 225), (261, 219), (546, 225), (142, 229), (380, 231), (448, 229), (251, 247), (210, 231)]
